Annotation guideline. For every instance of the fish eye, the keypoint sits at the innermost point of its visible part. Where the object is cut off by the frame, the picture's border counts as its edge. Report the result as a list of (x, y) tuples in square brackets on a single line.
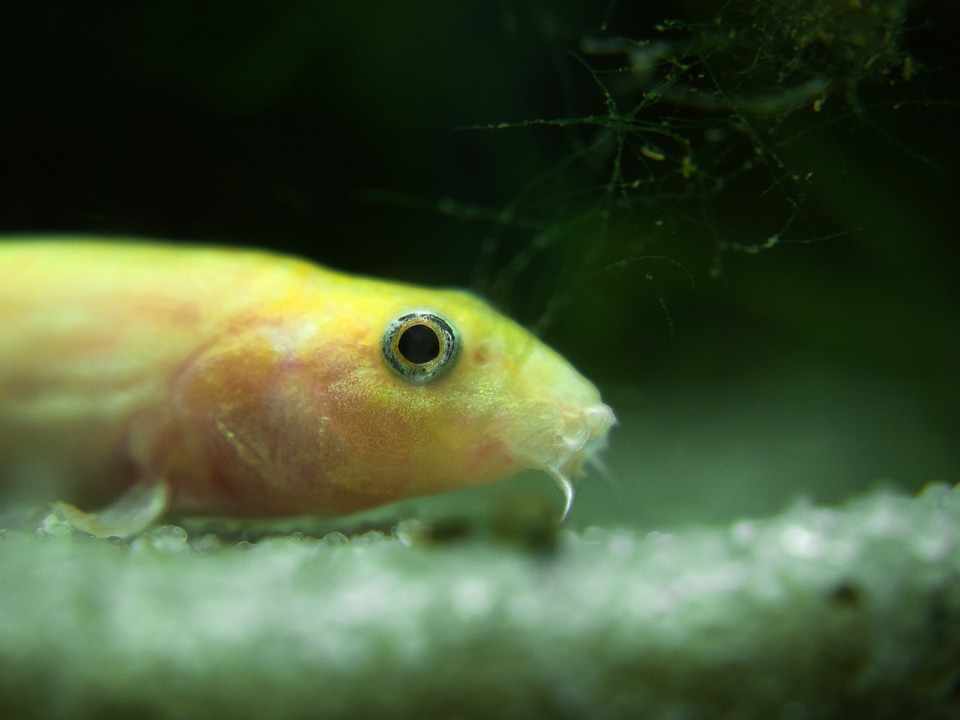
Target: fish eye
[(421, 346)]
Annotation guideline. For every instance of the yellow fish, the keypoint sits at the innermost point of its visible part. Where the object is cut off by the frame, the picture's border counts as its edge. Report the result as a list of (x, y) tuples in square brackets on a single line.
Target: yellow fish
[(245, 383)]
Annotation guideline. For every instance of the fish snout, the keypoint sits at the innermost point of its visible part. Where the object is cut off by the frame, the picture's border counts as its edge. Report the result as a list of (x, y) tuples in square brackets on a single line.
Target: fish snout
[(582, 434), (558, 439)]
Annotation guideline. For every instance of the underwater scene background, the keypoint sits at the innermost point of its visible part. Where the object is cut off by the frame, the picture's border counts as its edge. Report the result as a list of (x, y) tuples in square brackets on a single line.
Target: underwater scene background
[(738, 219)]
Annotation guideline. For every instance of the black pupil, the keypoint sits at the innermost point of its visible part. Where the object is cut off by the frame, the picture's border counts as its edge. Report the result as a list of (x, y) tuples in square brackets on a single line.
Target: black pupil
[(419, 344)]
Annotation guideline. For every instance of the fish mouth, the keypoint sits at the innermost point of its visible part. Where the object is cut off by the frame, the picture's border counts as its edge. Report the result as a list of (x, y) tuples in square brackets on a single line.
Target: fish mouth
[(560, 446)]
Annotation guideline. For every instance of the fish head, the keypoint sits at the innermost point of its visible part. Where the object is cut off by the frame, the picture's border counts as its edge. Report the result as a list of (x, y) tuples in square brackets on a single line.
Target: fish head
[(372, 392), (488, 398)]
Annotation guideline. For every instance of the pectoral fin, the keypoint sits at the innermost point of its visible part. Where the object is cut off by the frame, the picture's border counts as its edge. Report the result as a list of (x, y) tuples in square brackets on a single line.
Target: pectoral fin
[(131, 513)]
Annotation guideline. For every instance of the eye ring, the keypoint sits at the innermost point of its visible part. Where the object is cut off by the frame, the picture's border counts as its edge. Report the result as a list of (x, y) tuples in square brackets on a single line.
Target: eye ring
[(421, 346)]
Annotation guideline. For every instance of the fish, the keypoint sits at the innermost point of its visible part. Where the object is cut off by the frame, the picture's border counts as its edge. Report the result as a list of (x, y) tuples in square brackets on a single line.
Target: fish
[(140, 378)]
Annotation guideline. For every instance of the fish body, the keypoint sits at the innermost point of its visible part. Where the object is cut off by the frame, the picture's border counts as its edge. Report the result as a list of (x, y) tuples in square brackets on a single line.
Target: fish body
[(247, 383)]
